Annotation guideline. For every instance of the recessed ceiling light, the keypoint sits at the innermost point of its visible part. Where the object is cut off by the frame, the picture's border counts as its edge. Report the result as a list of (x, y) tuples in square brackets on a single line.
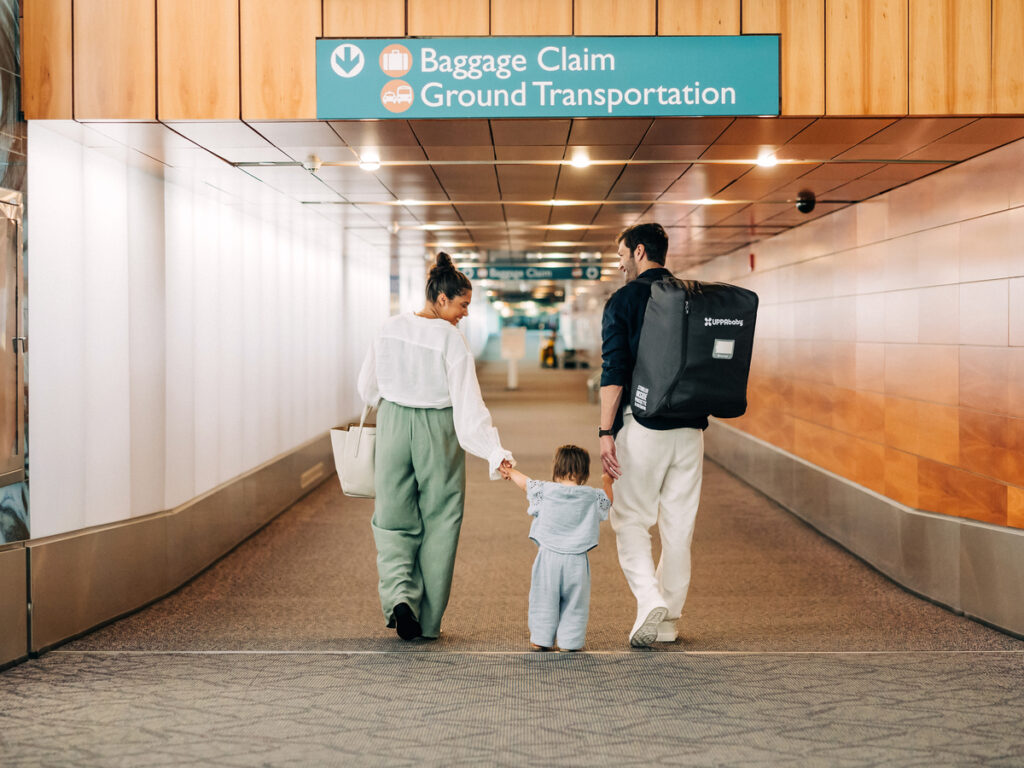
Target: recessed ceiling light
[(369, 163), (767, 160), (580, 160)]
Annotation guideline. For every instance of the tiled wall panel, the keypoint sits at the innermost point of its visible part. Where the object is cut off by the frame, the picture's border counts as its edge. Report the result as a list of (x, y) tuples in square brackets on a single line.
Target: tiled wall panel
[(890, 342)]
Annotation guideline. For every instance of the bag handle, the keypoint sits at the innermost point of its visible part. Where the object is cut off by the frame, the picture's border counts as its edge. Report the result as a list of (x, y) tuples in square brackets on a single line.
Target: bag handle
[(362, 420)]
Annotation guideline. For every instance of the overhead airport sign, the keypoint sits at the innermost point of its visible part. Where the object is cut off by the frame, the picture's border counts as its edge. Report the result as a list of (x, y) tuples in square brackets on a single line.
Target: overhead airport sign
[(496, 77), (528, 272)]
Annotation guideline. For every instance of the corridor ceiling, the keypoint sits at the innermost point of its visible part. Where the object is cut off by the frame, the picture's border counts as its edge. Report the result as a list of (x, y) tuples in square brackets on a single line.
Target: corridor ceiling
[(501, 188)]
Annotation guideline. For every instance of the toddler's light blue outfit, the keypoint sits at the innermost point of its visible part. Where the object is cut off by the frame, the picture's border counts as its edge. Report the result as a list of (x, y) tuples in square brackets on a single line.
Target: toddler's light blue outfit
[(567, 525)]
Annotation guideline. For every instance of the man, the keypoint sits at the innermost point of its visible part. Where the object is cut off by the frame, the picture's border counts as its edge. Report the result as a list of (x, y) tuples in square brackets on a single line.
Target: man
[(656, 463)]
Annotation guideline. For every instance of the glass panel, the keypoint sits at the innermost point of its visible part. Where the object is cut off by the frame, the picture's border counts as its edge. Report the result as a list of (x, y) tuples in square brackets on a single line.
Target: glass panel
[(10, 433)]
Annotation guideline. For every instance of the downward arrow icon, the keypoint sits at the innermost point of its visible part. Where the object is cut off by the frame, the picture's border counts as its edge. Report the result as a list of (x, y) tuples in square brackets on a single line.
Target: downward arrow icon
[(347, 60)]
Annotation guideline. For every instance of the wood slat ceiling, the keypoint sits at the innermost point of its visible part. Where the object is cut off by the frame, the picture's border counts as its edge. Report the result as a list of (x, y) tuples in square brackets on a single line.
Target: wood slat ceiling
[(479, 185)]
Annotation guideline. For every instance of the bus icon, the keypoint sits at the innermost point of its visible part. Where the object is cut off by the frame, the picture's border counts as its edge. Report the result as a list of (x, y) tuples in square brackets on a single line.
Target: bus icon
[(397, 96)]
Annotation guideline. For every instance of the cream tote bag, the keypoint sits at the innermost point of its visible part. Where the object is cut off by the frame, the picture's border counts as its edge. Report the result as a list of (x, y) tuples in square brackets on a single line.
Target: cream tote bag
[(353, 457)]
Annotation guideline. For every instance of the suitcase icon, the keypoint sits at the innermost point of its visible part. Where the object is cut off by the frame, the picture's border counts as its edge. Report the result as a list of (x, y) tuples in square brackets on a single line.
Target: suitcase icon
[(397, 61)]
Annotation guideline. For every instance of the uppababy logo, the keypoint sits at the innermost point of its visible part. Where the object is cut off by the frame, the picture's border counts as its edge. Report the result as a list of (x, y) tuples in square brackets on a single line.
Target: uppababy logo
[(710, 321)]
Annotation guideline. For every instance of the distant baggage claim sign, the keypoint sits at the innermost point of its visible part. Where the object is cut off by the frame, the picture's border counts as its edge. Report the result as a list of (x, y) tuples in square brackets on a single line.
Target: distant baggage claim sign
[(528, 272), (497, 77)]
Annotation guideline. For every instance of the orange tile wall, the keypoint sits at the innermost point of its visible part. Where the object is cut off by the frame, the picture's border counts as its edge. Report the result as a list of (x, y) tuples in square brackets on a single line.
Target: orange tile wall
[(890, 340)]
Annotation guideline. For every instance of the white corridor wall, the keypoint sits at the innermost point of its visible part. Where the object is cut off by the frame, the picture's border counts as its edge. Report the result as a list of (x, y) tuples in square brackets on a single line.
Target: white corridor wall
[(180, 334)]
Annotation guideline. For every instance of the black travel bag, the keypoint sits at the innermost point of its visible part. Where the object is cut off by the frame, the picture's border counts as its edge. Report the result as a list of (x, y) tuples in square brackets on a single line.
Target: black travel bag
[(695, 348)]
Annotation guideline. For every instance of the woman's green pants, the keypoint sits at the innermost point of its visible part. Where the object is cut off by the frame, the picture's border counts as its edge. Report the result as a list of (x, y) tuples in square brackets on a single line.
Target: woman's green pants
[(420, 481)]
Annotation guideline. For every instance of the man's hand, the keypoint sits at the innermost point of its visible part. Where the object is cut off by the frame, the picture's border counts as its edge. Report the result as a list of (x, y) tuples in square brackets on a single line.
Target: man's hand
[(609, 461)]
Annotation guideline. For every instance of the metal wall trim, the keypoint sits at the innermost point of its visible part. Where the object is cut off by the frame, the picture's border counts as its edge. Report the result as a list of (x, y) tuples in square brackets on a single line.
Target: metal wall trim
[(966, 566), (13, 612), (83, 579)]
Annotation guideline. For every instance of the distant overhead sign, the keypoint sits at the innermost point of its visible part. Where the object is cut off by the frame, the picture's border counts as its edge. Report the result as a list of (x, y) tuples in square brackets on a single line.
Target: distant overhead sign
[(478, 77), (528, 272)]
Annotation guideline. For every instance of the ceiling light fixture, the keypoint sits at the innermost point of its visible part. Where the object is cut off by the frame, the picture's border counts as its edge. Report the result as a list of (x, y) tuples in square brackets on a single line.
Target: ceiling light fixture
[(580, 160), (767, 160), (369, 164)]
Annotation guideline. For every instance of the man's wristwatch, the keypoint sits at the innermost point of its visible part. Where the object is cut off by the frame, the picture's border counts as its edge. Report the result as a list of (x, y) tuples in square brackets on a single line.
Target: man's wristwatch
[(603, 432)]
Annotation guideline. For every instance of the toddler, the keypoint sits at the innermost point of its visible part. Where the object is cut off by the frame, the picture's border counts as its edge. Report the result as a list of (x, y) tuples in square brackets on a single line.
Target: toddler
[(568, 517)]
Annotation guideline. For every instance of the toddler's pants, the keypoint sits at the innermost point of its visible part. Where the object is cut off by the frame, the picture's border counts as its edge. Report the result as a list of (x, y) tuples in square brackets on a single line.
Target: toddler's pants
[(559, 599)]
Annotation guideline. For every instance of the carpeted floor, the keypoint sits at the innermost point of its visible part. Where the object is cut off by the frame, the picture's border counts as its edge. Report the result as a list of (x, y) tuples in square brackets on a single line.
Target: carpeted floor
[(762, 579), (793, 652)]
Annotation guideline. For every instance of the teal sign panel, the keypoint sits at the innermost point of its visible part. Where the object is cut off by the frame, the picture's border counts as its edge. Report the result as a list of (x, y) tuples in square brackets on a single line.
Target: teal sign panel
[(528, 272), (498, 77)]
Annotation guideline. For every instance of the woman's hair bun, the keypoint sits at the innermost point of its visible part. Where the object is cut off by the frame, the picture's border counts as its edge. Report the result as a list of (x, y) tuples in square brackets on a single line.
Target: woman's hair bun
[(445, 278)]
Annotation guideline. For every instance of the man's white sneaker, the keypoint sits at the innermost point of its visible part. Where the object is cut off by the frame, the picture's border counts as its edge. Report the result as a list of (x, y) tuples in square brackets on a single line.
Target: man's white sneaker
[(667, 632), (645, 631)]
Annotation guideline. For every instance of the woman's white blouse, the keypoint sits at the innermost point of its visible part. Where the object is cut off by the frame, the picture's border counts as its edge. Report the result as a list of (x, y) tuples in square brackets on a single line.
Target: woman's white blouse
[(424, 362)]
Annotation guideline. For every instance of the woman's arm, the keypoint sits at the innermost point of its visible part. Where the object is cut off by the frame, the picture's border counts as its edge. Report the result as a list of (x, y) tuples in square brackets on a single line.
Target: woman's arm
[(367, 382), (473, 424)]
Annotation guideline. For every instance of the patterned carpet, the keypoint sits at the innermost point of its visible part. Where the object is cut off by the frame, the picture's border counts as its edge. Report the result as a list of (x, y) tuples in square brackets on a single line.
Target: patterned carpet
[(792, 651)]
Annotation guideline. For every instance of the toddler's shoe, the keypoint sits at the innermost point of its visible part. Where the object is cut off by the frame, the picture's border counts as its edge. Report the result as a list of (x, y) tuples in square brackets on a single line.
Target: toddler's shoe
[(667, 632), (645, 630), (535, 647)]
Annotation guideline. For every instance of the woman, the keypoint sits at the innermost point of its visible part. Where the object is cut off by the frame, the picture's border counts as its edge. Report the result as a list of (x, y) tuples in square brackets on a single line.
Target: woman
[(431, 412)]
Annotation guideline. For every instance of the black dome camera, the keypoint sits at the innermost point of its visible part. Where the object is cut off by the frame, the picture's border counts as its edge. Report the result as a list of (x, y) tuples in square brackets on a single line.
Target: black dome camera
[(805, 201)]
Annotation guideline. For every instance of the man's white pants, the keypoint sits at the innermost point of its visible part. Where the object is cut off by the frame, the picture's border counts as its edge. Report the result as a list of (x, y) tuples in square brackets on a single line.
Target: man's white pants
[(660, 483)]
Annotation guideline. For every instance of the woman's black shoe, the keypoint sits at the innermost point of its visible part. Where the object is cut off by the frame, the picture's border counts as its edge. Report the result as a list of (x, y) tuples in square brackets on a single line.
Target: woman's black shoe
[(405, 622)]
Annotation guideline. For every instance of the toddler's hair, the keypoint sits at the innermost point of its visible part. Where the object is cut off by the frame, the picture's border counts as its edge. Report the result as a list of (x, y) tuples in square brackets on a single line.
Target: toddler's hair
[(571, 463)]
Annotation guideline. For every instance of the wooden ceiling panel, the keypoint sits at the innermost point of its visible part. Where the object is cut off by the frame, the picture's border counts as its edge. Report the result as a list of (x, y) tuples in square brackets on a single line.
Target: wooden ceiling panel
[(515, 132), (433, 214), (480, 153), (904, 136), (375, 133), (452, 133), (837, 173), (646, 180), (627, 130), (762, 180), (762, 131), (391, 154), (591, 183), (468, 182), (574, 214), (706, 215), (901, 173), (840, 130), (362, 187), (539, 152), (682, 152), (973, 139), (529, 215), (702, 181), (527, 182), (686, 130), (620, 215), (477, 213), (666, 214)]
